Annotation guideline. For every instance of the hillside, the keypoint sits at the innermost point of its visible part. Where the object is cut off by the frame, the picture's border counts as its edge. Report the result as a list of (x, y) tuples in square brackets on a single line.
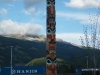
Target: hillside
[(25, 50), (62, 65)]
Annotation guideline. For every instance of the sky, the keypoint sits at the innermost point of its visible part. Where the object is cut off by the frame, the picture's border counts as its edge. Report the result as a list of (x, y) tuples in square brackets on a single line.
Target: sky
[(29, 17)]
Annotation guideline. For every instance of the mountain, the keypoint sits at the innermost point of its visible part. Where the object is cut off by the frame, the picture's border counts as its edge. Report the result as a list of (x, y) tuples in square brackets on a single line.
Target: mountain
[(28, 47)]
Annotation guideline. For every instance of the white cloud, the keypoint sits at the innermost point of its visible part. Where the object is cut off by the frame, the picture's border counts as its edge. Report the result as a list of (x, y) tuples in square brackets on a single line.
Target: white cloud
[(10, 27), (76, 16), (75, 38), (70, 37), (10, 5), (3, 11), (6, 1), (32, 6), (30, 11), (83, 3), (29, 3), (83, 18)]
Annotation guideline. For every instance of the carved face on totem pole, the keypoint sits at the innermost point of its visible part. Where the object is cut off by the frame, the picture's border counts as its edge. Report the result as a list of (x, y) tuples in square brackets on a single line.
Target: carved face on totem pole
[(51, 41), (51, 66)]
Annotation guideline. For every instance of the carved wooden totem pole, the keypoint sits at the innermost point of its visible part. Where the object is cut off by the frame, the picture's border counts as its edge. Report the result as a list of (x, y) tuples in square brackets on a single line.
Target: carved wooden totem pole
[(51, 39)]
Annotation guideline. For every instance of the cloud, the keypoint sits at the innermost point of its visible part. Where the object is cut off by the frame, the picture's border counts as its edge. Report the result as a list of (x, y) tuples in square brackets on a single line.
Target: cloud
[(30, 11), (32, 6), (10, 27), (83, 18), (29, 3), (70, 37), (75, 38), (10, 5), (3, 11), (82, 3), (6, 1), (76, 16)]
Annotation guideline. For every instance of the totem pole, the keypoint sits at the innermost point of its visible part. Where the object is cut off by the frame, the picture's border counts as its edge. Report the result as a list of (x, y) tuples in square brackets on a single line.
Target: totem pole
[(51, 39)]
